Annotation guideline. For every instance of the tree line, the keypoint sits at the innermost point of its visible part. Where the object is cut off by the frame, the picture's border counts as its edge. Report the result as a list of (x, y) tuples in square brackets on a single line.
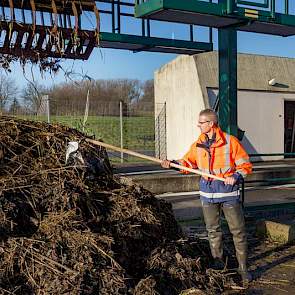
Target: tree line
[(69, 98)]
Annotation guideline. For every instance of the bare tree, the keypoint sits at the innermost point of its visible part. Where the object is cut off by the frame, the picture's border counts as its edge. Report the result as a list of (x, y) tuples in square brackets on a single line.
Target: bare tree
[(15, 107), (145, 105), (105, 95), (32, 96), (148, 91), (129, 90), (8, 91)]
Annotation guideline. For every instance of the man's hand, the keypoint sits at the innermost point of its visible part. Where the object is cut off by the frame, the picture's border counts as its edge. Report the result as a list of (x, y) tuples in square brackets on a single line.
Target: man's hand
[(165, 164), (230, 180)]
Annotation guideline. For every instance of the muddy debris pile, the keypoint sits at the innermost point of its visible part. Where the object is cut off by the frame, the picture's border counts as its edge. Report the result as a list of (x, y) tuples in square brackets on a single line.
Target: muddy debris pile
[(75, 229)]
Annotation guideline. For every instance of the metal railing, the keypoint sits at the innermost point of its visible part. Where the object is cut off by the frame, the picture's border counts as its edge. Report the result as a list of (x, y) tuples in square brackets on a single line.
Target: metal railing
[(272, 155), (264, 182), (270, 5), (267, 181)]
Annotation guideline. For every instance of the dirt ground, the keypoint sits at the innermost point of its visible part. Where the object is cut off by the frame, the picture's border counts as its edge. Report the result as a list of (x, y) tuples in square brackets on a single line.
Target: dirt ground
[(272, 264), (273, 268)]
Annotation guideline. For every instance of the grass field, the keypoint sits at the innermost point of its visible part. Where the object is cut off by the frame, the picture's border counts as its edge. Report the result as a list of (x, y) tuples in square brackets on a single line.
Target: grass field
[(138, 132)]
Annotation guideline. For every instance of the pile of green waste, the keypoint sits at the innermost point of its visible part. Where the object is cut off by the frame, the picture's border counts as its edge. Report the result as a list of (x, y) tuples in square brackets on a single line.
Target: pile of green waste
[(76, 229)]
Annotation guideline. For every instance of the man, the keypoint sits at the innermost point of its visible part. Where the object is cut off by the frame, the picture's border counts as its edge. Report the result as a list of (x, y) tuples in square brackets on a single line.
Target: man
[(221, 154)]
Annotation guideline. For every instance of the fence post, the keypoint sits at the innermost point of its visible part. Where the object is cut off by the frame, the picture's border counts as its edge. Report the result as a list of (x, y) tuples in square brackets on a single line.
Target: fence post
[(46, 98), (86, 111), (121, 130)]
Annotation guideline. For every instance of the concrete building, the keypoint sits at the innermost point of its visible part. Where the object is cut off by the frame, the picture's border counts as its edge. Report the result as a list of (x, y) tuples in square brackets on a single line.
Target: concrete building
[(266, 102)]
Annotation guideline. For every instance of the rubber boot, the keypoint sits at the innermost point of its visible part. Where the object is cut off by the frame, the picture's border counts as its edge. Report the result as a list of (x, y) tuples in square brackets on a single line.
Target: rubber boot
[(211, 213), (236, 222), (243, 270)]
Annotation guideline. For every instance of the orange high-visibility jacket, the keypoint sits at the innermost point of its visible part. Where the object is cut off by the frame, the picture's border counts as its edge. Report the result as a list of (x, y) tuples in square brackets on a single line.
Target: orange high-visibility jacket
[(225, 156)]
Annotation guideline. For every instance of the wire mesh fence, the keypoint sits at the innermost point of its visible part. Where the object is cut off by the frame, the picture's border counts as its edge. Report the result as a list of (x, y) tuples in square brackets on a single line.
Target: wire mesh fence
[(129, 125), (160, 131)]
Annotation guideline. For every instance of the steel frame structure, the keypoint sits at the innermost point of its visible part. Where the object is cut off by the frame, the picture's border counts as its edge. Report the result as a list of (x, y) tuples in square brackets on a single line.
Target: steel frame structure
[(145, 41), (32, 33), (228, 16), (242, 15)]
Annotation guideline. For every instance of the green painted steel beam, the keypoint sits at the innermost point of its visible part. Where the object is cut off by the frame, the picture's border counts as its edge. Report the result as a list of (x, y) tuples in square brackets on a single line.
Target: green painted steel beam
[(145, 8), (143, 43), (152, 6), (267, 16), (219, 15), (227, 52)]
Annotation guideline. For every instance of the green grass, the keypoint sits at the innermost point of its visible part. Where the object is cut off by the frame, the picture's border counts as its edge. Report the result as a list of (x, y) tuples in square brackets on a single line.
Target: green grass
[(138, 132)]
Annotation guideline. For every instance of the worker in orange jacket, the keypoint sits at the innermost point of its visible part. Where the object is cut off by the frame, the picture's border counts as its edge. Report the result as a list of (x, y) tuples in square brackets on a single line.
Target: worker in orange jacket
[(221, 154)]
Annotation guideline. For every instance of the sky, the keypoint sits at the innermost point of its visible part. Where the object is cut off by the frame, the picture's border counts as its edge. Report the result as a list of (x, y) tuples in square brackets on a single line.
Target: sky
[(115, 64)]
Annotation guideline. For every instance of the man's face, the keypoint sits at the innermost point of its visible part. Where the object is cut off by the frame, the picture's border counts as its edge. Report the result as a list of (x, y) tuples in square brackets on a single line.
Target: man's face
[(205, 124)]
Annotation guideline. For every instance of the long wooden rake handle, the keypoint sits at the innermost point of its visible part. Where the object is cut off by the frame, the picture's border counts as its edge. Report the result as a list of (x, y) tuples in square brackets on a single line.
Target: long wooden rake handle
[(153, 159)]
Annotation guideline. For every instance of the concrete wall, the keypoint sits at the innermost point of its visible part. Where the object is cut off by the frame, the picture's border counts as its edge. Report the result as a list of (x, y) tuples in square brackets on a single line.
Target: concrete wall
[(177, 84), (261, 116), (260, 113)]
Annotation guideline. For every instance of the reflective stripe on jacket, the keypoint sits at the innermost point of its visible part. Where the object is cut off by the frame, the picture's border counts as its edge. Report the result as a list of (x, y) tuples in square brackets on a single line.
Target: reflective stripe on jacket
[(225, 157)]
